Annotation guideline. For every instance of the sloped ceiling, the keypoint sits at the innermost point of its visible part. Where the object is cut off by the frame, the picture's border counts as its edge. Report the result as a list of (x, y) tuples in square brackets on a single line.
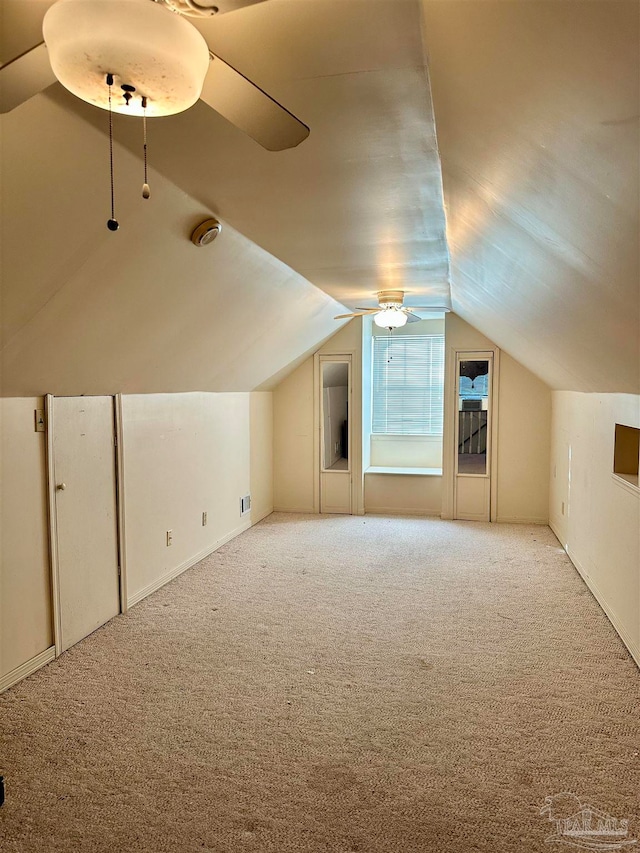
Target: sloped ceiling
[(86, 311), (354, 209), (358, 206), (537, 111)]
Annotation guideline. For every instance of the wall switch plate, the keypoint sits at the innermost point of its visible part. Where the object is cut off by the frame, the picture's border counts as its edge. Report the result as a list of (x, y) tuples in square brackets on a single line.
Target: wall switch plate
[(204, 519), (39, 420), (169, 537)]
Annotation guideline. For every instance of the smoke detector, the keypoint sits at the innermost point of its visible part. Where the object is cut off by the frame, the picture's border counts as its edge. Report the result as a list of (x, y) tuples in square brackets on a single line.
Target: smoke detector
[(206, 232)]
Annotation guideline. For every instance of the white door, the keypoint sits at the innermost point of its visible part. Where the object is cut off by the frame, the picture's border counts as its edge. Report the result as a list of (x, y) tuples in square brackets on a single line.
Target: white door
[(85, 515), (472, 488), (335, 441)]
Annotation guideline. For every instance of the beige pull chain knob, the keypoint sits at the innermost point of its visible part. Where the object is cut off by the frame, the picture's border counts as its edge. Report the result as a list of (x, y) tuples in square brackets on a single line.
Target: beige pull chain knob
[(61, 487)]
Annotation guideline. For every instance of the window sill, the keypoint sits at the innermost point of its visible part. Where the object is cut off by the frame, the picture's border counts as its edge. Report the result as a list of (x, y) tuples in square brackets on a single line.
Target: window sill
[(413, 472), (629, 482), (389, 436)]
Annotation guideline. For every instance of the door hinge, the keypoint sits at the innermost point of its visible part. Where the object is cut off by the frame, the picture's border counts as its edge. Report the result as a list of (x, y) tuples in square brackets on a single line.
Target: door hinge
[(115, 440)]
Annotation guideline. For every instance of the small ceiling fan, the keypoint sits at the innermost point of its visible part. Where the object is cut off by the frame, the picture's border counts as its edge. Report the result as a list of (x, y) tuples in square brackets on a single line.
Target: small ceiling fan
[(158, 62), (390, 313)]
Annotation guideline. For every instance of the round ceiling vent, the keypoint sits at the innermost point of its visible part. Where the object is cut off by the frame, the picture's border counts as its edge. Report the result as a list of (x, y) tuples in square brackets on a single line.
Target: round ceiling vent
[(206, 232)]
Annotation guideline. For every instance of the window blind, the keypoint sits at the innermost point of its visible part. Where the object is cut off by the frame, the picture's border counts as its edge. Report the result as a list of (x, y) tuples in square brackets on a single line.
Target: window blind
[(408, 384)]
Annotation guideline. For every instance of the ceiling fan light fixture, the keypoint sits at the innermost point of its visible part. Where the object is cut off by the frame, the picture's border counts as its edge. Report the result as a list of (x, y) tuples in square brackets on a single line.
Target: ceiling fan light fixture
[(144, 45), (388, 298), (390, 318)]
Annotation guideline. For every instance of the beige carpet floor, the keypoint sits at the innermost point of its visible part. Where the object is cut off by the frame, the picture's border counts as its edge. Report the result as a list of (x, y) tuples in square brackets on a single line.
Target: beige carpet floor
[(332, 684)]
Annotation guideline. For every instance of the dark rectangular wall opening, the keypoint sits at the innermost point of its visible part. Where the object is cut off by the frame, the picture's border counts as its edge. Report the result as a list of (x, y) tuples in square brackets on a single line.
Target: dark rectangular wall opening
[(626, 455)]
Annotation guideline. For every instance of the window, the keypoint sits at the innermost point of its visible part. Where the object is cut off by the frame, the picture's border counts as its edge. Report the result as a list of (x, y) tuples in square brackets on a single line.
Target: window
[(626, 454), (408, 384), (474, 389)]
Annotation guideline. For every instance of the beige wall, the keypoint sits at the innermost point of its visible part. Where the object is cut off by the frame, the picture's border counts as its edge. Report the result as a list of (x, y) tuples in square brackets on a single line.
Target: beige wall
[(25, 593), (184, 454), (523, 425), (403, 494), (594, 514), (261, 456), (523, 439), (293, 437)]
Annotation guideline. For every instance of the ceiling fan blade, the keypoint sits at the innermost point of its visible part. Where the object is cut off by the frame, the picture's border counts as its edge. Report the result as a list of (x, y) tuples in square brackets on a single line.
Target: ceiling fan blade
[(24, 77), (204, 6), (369, 310), (355, 314), (425, 308), (412, 318), (244, 104)]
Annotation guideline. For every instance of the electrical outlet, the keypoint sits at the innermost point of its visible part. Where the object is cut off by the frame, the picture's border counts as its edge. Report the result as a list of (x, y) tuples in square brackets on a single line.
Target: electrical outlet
[(169, 537), (204, 519)]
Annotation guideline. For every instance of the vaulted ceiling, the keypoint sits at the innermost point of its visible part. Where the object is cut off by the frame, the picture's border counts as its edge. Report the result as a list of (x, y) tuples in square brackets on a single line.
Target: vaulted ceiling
[(536, 109)]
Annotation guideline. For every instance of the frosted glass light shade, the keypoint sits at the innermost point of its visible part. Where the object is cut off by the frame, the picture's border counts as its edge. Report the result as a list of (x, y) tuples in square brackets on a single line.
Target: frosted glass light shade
[(141, 43), (390, 318)]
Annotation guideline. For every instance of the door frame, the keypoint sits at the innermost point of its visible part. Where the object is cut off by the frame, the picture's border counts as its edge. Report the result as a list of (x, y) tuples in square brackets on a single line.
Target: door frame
[(338, 358), (54, 563), (449, 450), (355, 426)]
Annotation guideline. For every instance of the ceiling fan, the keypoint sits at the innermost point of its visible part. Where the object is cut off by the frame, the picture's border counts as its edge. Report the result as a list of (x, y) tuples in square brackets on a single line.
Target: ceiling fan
[(391, 313), (157, 61)]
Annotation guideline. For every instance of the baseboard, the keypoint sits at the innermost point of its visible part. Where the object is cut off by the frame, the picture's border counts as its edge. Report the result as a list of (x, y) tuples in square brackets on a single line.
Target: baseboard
[(506, 519), (556, 532), (632, 646), (394, 510), (304, 510), (178, 570), (27, 668)]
